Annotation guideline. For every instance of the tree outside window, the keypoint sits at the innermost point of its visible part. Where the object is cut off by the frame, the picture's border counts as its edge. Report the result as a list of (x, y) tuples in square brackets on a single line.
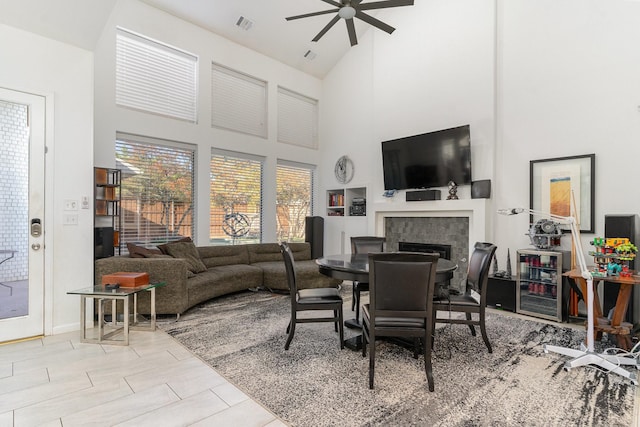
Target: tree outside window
[(294, 187)]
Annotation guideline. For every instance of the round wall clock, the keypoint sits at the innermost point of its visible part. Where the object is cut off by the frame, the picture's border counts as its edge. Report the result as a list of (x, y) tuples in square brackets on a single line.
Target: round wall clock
[(344, 170)]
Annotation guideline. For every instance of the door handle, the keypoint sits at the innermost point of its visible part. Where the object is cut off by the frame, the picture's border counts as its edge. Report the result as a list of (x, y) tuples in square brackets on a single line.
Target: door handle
[(36, 227), (35, 246)]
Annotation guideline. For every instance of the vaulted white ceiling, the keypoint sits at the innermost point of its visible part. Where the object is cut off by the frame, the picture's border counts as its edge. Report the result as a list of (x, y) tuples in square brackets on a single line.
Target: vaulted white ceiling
[(80, 22)]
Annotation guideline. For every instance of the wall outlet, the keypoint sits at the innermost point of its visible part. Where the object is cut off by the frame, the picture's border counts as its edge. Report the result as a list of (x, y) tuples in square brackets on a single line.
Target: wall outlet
[(70, 205), (85, 202), (70, 219)]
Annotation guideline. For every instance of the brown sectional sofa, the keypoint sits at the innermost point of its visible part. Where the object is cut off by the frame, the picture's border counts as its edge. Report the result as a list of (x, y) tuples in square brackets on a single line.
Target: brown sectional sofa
[(228, 269)]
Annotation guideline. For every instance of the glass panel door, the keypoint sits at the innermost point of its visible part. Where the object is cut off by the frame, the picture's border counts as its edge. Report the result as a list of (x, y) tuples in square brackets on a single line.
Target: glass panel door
[(22, 145)]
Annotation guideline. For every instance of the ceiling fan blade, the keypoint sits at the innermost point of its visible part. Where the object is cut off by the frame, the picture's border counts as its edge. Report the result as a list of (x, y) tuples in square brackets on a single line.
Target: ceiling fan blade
[(334, 3), (307, 15), (351, 29), (326, 28), (375, 22), (385, 4)]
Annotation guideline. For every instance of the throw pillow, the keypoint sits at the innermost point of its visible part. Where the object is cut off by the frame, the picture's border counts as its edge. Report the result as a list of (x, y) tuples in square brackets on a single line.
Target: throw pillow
[(163, 248), (188, 252), (136, 251)]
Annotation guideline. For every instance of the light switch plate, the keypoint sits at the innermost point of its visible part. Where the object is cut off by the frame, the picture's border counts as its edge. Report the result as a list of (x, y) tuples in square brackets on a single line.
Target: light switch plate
[(70, 205)]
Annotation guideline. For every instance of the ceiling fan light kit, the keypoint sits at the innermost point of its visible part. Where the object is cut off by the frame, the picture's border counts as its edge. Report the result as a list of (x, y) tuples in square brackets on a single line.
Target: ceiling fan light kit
[(347, 12), (349, 9)]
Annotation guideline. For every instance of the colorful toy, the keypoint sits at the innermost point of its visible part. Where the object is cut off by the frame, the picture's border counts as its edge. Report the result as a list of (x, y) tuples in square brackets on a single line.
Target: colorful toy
[(612, 256)]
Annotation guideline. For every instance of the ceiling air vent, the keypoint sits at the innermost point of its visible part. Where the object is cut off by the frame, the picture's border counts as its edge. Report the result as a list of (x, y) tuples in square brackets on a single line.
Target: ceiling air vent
[(309, 55), (244, 23)]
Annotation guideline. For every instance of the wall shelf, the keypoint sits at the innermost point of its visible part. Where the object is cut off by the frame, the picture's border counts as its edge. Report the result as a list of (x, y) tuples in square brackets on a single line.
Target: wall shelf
[(349, 201), (346, 214)]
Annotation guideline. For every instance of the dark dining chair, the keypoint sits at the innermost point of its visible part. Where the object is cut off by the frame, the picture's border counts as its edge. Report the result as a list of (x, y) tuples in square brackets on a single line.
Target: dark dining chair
[(363, 245), (401, 288), (474, 299), (310, 299)]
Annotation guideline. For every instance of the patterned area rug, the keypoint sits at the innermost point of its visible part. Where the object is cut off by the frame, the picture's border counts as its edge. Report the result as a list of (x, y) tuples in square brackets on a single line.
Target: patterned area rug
[(315, 383)]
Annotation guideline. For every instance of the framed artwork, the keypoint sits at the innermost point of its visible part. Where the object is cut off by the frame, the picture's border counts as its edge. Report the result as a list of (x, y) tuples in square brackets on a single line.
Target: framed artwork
[(555, 182)]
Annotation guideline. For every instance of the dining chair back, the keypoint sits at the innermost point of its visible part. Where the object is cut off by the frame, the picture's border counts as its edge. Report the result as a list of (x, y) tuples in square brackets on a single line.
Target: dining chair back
[(474, 299), (363, 245), (400, 303), (318, 299)]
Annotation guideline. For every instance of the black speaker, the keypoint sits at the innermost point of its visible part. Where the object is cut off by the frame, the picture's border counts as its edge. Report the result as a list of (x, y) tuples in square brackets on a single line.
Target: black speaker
[(420, 195), (103, 242), (622, 226), (314, 235), (481, 189)]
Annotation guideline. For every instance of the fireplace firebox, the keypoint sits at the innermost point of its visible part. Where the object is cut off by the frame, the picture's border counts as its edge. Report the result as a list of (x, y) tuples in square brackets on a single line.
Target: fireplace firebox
[(443, 250)]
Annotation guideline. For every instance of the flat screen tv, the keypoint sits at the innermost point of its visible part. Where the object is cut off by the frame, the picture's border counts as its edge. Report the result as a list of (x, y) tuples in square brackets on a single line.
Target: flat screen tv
[(428, 160)]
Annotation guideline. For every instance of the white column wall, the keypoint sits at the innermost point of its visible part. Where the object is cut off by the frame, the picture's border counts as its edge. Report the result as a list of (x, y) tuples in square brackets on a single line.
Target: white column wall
[(568, 86)]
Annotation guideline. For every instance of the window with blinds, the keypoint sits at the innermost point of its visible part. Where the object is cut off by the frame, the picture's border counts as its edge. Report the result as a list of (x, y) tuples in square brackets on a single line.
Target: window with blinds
[(155, 78), (294, 200), (157, 193), (297, 119), (236, 198), (238, 101)]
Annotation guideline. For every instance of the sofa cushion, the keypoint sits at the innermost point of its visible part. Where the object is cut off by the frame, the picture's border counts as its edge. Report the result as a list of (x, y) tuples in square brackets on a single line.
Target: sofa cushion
[(136, 251), (223, 280), (213, 256), (268, 252), (188, 252), (163, 247), (307, 275)]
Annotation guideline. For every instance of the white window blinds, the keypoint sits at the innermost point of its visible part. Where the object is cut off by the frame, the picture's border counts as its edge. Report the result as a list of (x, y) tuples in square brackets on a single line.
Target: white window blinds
[(236, 198), (155, 77), (157, 193), (294, 200), (238, 101), (297, 119)]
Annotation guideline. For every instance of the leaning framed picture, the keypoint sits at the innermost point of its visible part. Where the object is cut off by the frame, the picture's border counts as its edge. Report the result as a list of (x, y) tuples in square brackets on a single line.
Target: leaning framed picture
[(556, 183)]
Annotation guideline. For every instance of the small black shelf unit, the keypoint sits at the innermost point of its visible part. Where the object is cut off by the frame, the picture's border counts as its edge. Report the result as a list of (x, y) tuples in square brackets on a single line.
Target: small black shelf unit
[(106, 212)]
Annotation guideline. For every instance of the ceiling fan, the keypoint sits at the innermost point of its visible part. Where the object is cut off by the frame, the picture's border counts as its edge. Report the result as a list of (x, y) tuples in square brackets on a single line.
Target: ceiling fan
[(348, 9)]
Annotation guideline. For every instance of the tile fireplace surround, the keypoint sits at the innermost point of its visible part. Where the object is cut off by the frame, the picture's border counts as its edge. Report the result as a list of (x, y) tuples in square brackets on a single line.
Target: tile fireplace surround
[(459, 223)]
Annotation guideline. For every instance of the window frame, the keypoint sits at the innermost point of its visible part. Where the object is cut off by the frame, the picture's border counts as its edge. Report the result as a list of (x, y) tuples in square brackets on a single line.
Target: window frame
[(216, 152), (243, 93), (151, 240), (298, 119), (312, 194), (156, 93)]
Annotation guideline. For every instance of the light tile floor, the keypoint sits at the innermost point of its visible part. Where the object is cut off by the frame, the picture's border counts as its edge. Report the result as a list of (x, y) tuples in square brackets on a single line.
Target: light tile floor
[(155, 381)]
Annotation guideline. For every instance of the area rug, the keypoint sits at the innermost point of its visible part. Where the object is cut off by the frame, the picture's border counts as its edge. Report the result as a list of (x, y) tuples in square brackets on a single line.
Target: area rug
[(315, 383)]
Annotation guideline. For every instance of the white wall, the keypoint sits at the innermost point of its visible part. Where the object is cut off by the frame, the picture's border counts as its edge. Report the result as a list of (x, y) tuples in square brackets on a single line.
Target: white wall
[(535, 79), (38, 65), (141, 18), (568, 86)]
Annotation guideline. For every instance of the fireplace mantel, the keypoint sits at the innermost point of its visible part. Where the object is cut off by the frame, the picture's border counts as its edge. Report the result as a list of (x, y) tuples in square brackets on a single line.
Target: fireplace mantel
[(474, 209)]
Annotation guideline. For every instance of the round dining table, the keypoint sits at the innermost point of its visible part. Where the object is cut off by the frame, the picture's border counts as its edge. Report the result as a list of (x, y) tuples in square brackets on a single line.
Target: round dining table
[(356, 267)]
